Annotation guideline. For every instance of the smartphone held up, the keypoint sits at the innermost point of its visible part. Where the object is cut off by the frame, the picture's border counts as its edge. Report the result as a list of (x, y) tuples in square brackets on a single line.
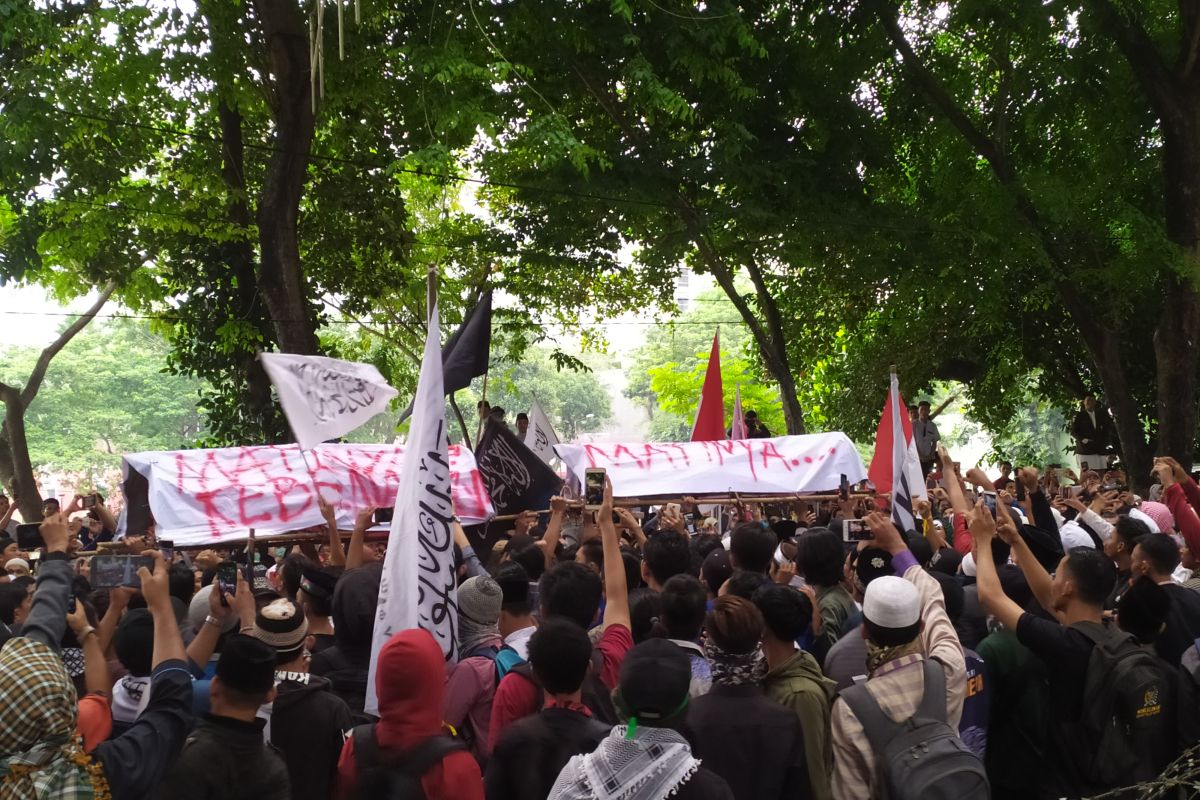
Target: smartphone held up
[(593, 487), (856, 530)]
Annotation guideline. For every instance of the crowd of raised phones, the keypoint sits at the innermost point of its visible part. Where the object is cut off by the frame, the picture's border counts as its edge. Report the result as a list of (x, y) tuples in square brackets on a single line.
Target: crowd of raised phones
[(1038, 635)]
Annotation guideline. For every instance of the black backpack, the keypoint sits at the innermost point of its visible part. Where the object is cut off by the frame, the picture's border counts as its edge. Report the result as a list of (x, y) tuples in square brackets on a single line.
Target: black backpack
[(922, 758), (1125, 699), (389, 776)]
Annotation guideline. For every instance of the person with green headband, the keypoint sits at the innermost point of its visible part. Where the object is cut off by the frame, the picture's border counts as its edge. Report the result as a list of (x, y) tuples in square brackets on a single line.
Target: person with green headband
[(647, 757)]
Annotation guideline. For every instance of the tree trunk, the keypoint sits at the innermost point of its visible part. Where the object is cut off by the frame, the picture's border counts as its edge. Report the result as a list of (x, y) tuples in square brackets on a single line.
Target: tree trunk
[(24, 483), (281, 277), (1178, 332), (769, 336), (239, 255), (1136, 453)]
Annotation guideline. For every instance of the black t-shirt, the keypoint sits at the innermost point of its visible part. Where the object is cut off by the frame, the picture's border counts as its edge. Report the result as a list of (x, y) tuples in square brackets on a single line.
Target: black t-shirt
[(1066, 653), (1183, 623)]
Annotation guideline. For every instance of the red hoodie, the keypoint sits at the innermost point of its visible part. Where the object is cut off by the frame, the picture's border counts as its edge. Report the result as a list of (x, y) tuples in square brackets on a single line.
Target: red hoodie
[(409, 683)]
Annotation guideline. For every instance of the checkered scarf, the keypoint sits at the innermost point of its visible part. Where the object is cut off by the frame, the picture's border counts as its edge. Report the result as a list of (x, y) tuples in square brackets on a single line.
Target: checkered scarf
[(650, 766), (40, 756)]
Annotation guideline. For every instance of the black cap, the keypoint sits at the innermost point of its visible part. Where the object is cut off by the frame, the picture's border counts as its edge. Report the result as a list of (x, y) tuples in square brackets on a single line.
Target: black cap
[(317, 583), (134, 642), (655, 678), (247, 665), (872, 563)]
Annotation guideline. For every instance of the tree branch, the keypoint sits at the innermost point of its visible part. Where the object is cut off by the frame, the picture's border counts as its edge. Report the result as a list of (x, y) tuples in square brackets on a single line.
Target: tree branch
[(43, 363), (940, 98), (1148, 65)]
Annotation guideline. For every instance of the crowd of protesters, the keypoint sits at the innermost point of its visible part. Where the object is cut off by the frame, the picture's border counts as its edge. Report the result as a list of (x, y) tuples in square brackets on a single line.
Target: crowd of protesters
[(1036, 635)]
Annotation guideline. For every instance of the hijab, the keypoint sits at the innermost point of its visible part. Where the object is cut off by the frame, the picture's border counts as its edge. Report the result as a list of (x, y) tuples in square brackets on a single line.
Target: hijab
[(40, 753)]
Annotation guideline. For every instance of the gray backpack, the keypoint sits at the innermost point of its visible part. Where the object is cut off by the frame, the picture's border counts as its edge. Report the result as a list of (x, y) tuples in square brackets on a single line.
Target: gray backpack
[(923, 756)]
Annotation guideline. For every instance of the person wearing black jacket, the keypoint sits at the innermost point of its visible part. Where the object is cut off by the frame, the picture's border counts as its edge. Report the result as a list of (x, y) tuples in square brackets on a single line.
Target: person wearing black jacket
[(225, 758), (307, 723), (532, 752), (752, 742), (347, 663), (1092, 430)]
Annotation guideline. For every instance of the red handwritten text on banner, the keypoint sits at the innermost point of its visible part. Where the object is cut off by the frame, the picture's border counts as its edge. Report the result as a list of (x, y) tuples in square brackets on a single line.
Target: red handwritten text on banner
[(209, 495), (782, 465)]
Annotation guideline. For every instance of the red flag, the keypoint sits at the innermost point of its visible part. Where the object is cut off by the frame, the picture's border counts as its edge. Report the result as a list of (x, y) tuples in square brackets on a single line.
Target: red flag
[(710, 415), (738, 429)]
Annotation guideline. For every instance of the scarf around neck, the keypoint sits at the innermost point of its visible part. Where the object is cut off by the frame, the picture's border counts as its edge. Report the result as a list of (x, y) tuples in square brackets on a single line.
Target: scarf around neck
[(878, 655), (650, 766), (735, 669)]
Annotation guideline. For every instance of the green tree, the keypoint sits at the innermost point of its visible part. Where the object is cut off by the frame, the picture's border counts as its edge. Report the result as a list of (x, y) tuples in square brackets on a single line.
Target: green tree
[(105, 394)]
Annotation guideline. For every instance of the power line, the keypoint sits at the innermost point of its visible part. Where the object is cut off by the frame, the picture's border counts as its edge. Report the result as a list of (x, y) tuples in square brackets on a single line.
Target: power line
[(447, 325)]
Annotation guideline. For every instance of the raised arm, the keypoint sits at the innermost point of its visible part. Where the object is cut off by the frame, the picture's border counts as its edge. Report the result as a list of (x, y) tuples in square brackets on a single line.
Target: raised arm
[(938, 637), (355, 554), (96, 678), (337, 551), (991, 594), (205, 642), (136, 762), (1176, 499), (558, 511), (470, 557), (616, 591), (47, 620), (104, 515)]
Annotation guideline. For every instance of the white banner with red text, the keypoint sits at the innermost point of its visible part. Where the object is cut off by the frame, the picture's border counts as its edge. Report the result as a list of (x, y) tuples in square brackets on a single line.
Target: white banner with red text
[(203, 496), (778, 466)]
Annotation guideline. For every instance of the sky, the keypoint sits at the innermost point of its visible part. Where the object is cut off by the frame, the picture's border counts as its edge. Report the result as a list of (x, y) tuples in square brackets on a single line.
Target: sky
[(29, 316)]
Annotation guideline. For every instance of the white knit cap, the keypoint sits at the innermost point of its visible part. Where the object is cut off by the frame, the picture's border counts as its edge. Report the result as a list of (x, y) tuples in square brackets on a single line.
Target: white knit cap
[(17, 562), (892, 602), (968, 565)]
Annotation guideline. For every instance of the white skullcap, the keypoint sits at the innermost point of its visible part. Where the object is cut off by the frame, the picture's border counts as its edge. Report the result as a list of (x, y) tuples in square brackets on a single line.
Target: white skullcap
[(17, 562), (892, 602), (968, 565)]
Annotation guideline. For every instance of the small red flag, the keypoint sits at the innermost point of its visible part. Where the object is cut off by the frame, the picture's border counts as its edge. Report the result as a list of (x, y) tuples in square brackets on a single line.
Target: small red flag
[(710, 415)]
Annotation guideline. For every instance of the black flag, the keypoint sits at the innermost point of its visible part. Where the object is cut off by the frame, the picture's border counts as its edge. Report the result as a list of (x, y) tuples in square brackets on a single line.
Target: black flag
[(515, 477), (465, 354)]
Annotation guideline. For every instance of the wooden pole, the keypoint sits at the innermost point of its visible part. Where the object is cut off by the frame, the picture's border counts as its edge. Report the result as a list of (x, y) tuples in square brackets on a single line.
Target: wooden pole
[(462, 423)]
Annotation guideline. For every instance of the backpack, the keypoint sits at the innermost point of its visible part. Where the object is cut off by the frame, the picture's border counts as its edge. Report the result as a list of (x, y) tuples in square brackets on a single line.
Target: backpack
[(506, 659), (1125, 699), (389, 776), (596, 696), (922, 757)]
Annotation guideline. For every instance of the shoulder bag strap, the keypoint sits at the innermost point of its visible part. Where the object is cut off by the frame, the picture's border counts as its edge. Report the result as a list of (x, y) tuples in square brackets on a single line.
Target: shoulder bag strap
[(879, 727)]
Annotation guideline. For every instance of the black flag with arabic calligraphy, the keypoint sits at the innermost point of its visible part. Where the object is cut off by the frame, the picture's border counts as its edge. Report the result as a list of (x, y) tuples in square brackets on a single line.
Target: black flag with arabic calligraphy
[(516, 478)]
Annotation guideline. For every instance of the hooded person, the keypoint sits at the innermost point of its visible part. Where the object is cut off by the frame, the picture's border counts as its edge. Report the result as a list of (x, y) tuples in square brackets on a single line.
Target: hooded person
[(752, 742), (409, 683), (307, 722), (471, 683), (347, 663), (41, 757), (647, 757)]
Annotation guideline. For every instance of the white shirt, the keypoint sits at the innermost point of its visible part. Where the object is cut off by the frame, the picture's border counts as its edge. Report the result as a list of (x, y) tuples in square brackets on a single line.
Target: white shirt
[(519, 640)]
